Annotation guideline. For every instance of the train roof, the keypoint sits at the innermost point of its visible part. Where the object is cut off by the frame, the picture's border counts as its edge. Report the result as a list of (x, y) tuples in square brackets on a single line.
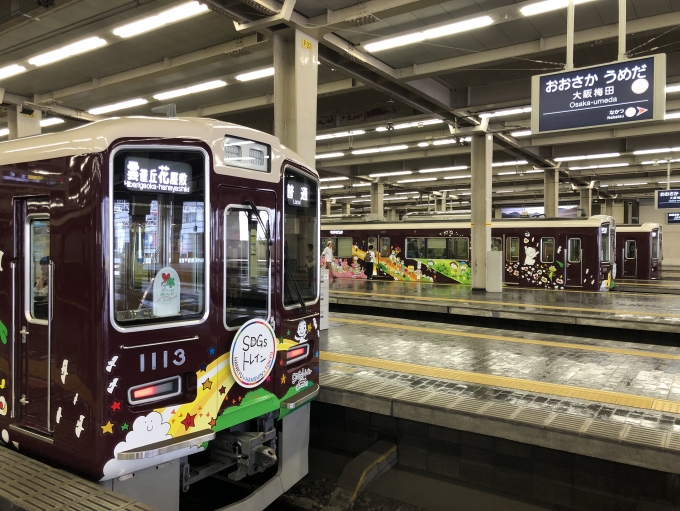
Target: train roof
[(97, 136), (593, 221), (646, 227)]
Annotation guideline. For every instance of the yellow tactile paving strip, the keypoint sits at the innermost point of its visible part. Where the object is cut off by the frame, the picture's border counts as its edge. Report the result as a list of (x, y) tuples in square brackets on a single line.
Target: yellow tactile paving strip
[(555, 389), (519, 340), (505, 304)]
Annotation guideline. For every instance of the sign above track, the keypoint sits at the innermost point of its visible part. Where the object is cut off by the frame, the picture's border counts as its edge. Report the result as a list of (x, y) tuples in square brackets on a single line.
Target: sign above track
[(615, 93), (667, 199), (673, 218)]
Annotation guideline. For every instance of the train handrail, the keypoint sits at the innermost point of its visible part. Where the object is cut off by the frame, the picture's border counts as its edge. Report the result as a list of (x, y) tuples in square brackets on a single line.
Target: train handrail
[(166, 446), (123, 347)]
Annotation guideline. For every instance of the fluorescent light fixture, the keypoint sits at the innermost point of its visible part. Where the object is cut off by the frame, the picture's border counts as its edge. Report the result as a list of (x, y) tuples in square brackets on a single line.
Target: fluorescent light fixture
[(547, 6), (67, 51), (329, 155), (416, 124), (357, 185), (657, 162), (509, 111), (673, 88), (432, 33), (381, 149), (254, 75), (420, 180), (509, 163), (363, 200), (214, 84), (51, 121), (340, 135), (443, 169), (179, 13), (588, 157), (653, 151), (330, 187), (457, 177), (345, 197), (424, 144), (535, 171), (506, 173), (633, 184), (605, 166), (518, 134), (12, 70), (504, 191), (324, 179), (117, 106), (445, 141), (387, 174), (671, 115), (397, 198), (4, 132)]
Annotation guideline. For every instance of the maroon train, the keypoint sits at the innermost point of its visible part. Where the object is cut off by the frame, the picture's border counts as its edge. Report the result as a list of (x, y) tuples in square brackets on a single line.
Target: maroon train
[(639, 251), (537, 253), (156, 302)]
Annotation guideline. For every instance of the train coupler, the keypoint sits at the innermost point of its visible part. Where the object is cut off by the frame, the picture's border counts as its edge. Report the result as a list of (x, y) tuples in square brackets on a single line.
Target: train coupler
[(253, 452)]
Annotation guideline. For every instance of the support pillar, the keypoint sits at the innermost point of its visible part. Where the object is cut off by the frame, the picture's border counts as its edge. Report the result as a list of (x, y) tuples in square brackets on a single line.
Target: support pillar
[(609, 207), (587, 201), (22, 125), (346, 208), (295, 82), (551, 194), (327, 204), (482, 151), (377, 193), (392, 215)]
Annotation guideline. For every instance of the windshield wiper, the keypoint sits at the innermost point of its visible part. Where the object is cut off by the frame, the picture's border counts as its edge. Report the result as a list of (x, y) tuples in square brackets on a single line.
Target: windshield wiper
[(265, 229), (297, 289)]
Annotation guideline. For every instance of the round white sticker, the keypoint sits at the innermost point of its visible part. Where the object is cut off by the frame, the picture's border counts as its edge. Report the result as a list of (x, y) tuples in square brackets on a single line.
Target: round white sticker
[(253, 353)]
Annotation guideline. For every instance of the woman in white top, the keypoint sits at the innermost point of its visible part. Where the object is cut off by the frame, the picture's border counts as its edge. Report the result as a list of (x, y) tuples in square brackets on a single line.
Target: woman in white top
[(328, 256)]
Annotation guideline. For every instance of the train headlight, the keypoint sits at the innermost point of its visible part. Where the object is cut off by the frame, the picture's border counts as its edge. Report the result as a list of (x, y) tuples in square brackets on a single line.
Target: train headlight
[(297, 353), (155, 390)]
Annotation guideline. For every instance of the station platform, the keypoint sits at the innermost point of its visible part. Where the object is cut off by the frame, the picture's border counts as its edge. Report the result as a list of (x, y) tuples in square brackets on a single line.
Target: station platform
[(616, 310), (28, 485), (614, 401)]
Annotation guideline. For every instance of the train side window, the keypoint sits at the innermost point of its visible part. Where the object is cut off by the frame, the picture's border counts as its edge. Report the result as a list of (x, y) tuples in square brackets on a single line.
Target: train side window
[(374, 242), (436, 248), (414, 248), (38, 261), (459, 248), (246, 266), (630, 249), (604, 243), (655, 244), (512, 249), (496, 244), (547, 250), (574, 250), (344, 248), (385, 247)]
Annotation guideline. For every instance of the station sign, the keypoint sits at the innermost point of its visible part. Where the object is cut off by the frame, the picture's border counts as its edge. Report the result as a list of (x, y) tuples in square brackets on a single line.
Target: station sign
[(673, 218), (148, 175), (611, 94), (667, 199)]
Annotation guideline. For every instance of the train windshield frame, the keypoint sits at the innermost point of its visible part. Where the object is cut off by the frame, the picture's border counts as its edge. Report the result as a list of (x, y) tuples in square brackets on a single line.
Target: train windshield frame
[(301, 225), (605, 248), (159, 237)]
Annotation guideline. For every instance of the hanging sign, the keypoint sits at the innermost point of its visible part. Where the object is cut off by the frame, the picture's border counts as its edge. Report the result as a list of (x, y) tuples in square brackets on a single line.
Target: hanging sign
[(667, 199), (617, 93), (673, 218)]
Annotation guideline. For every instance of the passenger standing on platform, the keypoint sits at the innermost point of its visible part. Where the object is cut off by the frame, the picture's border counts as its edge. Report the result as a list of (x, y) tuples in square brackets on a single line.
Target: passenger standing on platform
[(328, 255), (369, 259)]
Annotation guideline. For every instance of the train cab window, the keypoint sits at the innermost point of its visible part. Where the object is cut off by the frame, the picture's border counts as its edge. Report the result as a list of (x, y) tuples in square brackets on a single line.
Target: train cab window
[(655, 244), (385, 247), (435, 248), (604, 243), (459, 248), (574, 250), (415, 248), (38, 263), (512, 249), (301, 242), (496, 244), (630, 249), (547, 250), (158, 237)]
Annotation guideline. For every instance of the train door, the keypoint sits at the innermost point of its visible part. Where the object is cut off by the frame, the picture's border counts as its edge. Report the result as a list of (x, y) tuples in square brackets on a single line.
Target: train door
[(512, 273), (384, 251), (34, 316), (574, 273), (630, 258)]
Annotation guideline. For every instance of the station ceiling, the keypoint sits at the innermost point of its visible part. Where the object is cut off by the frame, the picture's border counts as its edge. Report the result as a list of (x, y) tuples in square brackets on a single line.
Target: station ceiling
[(423, 97)]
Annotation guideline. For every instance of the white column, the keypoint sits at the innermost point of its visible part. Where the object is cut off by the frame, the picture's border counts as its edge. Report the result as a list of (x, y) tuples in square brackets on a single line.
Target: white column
[(21, 125), (551, 194), (609, 207), (587, 201), (482, 152), (327, 204), (295, 88), (392, 215), (377, 192), (346, 208)]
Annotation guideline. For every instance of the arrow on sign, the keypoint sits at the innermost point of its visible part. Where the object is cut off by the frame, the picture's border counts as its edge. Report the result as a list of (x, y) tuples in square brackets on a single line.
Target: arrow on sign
[(641, 110)]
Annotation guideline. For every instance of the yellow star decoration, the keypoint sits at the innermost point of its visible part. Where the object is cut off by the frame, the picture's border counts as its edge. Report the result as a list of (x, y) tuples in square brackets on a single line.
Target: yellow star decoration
[(309, 327), (107, 428), (207, 384), (283, 378)]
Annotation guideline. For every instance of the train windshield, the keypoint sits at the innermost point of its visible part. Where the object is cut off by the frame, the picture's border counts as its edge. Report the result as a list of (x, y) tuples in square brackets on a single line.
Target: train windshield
[(655, 244), (604, 243), (159, 242), (300, 239)]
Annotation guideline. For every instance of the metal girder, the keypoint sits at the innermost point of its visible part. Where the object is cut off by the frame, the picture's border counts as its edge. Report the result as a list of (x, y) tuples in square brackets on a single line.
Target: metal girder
[(79, 115), (160, 68), (284, 13)]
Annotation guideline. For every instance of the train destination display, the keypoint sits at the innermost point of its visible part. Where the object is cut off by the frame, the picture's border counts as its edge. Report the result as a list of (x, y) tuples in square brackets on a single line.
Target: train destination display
[(620, 92), (667, 199)]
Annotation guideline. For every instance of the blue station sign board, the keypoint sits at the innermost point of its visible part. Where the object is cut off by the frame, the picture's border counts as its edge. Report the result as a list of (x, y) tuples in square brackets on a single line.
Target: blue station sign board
[(667, 199), (673, 218), (617, 93)]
